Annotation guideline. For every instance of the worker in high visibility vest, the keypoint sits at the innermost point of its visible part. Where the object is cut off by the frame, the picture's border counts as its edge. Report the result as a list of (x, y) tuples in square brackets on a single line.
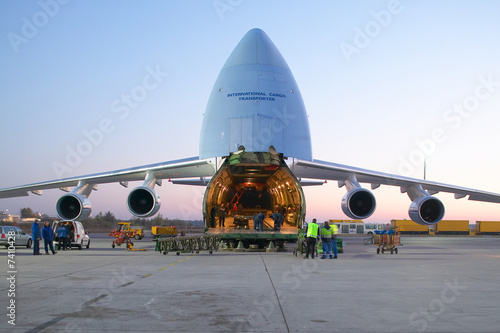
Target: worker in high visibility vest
[(311, 237), (334, 240), (326, 238)]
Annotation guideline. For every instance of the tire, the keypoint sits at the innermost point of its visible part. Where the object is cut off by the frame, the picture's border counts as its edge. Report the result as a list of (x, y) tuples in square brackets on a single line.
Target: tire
[(88, 244), (396, 250), (79, 246), (28, 245), (137, 237), (113, 245), (378, 250)]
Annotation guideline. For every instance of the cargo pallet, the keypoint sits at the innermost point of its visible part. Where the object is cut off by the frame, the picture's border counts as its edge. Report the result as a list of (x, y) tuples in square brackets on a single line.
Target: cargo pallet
[(189, 244), (233, 238)]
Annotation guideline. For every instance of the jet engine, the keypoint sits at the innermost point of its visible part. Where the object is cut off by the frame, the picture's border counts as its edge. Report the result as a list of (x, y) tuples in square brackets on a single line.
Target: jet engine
[(426, 210), (143, 201), (73, 206), (358, 203)]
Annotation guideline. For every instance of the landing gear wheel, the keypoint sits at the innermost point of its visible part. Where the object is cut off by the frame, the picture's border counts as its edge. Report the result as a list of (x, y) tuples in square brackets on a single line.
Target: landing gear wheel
[(378, 250), (396, 250)]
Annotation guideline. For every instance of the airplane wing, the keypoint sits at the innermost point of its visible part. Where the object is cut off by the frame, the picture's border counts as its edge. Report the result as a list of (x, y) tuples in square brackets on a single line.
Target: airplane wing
[(190, 167), (343, 173)]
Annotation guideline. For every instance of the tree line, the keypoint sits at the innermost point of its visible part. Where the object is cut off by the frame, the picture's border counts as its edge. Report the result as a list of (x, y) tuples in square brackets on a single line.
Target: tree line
[(108, 220)]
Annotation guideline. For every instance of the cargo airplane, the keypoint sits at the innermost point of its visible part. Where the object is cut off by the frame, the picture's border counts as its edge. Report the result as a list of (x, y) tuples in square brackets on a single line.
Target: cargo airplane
[(256, 123)]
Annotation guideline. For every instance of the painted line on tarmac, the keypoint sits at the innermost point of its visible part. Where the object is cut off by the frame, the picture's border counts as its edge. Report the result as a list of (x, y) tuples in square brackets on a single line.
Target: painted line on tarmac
[(125, 284), (162, 269)]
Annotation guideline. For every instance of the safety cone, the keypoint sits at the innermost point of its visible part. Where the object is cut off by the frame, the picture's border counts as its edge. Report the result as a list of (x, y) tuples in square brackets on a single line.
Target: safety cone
[(240, 247), (271, 247)]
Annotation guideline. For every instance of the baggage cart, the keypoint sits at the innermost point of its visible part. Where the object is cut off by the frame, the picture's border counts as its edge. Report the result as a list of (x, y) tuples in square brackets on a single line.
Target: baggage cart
[(387, 241)]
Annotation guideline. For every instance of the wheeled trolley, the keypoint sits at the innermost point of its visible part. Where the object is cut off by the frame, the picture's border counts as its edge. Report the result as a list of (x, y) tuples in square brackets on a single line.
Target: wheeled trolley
[(387, 241), (302, 245)]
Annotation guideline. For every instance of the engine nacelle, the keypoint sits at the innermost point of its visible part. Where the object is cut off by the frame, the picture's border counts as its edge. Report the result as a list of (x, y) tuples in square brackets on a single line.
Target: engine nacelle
[(358, 203), (143, 201), (426, 210), (73, 206)]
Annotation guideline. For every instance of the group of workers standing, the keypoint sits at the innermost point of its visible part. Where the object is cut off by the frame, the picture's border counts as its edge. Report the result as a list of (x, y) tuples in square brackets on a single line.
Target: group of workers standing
[(328, 237), (47, 234)]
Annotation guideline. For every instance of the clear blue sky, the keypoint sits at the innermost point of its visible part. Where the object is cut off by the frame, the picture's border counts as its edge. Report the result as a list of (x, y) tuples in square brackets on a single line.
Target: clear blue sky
[(384, 82)]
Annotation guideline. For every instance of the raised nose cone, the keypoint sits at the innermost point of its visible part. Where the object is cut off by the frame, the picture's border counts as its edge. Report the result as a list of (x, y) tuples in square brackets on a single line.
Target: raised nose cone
[(255, 48), (255, 103)]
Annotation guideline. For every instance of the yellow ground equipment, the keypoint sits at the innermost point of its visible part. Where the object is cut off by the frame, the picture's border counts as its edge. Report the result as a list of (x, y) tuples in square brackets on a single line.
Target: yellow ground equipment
[(124, 233), (132, 232), (410, 227), (122, 237), (161, 232), (488, 227), (452, 227)]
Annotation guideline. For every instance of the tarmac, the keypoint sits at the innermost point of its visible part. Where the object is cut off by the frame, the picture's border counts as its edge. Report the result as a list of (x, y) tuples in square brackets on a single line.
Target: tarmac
[(438, 284)]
